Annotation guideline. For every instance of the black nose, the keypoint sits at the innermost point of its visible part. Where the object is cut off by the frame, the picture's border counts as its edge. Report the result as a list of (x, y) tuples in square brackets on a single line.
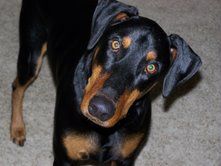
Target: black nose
[(101, 108)]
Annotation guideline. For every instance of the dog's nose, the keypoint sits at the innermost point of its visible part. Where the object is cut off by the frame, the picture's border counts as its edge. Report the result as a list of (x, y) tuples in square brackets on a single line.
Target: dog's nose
[(101, 108)]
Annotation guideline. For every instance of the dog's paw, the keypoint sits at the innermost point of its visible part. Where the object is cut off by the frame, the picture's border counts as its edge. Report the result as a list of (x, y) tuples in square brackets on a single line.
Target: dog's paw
[(18, 135)]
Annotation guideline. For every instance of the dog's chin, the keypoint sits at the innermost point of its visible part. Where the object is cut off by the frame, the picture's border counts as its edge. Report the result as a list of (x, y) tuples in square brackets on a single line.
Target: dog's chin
[(105, 124)]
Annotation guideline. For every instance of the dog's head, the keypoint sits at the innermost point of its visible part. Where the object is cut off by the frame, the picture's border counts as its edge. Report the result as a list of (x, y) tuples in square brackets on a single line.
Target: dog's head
[(130, 55)]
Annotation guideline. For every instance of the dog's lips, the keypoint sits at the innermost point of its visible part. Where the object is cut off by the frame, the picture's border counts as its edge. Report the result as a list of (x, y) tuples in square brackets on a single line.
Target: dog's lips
[(105, 124), (121, 108)]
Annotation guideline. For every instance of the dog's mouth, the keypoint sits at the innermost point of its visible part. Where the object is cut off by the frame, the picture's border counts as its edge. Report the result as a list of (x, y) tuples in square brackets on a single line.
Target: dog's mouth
[(105, 112)]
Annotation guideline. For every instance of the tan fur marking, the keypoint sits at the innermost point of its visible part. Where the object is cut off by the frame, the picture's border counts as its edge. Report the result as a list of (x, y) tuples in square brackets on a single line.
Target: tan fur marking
[(123, 105), (40, 59), (151, 56), (130, 144), (121, 17), (17, 129), (126, 42), (173, 52), (113, 163), (17, 123), (95, 54), (95, 83), (80, 147), (134, 95)]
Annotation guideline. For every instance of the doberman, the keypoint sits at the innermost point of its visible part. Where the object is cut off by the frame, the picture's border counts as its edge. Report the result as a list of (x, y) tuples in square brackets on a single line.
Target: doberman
[(105, 59)]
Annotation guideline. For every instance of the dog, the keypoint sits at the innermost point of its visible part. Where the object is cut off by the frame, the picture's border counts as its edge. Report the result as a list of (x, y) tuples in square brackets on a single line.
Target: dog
[(105, 59)]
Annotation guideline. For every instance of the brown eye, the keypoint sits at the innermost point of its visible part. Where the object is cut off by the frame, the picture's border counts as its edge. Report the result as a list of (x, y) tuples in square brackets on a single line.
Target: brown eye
[(115, 45), (151, 69)]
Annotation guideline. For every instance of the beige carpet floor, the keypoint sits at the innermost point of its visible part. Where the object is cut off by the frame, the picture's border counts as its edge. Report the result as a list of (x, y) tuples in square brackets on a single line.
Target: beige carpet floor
[(186, 128)]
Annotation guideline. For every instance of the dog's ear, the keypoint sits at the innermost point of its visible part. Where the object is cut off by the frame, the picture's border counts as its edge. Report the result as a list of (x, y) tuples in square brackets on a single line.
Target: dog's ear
[(185, 63), (104, 15)]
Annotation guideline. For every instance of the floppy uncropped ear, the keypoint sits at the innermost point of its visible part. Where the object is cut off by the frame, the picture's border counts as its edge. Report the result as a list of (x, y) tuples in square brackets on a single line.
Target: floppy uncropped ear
[(105, 12), (184, 66)]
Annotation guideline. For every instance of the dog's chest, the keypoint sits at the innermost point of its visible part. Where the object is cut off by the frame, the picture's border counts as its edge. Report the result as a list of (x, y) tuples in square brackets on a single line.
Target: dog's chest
[(92, 146)]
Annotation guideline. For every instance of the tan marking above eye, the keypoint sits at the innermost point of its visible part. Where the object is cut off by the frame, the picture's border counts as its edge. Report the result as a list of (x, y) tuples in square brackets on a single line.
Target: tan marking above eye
[(122, 17), (126, 42), (151, 56)]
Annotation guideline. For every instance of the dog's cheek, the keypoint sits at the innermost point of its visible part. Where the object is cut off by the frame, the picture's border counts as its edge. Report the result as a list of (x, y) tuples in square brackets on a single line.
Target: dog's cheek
[(131, 98), (123, 105), (95, 83), (148, 89)]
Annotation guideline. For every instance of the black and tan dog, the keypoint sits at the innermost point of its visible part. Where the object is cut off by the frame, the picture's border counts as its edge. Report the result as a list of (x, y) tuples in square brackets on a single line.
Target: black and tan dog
[(105, 59)]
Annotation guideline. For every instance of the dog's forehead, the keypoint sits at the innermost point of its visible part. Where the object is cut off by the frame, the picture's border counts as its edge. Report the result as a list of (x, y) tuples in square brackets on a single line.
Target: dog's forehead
[(145, 33), (122, 30), (140, 24)]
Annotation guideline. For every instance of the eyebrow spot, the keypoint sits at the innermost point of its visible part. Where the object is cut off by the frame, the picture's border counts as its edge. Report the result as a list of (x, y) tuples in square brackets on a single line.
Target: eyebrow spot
[(173, 53), (121, 17), (151, 56), (126, 42)]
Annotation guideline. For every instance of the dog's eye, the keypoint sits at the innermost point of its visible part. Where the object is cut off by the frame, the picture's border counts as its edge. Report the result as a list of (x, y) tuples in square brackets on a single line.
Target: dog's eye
[(115, 45), (151, 69)]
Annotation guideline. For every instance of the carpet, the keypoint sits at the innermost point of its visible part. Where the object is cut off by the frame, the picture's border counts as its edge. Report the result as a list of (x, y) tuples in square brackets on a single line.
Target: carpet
[(186, 127)]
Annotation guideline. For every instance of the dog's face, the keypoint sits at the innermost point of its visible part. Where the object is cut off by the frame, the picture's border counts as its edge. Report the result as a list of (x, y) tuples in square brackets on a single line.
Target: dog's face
[(127, 62), (130, 55)]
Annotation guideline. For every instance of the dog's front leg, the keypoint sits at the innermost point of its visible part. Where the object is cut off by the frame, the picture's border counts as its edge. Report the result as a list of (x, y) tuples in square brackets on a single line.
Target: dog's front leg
[(32, 50)]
